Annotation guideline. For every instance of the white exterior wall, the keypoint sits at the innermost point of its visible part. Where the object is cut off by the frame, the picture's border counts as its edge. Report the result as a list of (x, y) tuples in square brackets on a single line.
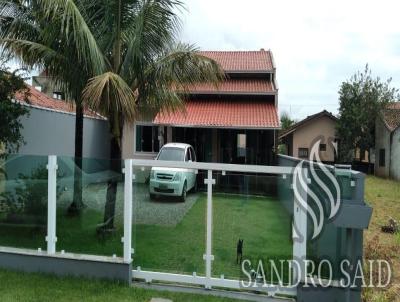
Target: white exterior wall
[(382, 141), (129, 150), (395, 155), (129, 143)]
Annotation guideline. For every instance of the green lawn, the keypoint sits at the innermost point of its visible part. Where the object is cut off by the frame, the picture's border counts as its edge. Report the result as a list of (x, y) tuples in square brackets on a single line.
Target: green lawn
[(384, 196), (74, 234), (21, 287), (261, 222)]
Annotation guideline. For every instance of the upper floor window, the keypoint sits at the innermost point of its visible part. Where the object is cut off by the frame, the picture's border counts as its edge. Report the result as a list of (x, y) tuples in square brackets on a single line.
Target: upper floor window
[(322, 147)]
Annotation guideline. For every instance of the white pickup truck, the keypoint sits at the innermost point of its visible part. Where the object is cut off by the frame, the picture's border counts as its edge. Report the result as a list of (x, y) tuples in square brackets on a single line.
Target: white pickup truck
[(173, 181)]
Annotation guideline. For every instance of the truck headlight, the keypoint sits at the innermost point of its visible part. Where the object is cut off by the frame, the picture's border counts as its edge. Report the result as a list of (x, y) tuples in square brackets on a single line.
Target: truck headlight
[(152, 174), (177, 176)]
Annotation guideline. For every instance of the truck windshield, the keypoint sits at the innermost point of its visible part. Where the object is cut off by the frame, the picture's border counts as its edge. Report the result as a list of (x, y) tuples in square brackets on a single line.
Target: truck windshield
[(171, 154)]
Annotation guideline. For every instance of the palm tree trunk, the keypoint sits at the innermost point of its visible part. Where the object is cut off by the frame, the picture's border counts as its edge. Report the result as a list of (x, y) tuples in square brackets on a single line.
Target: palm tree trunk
[(115, 122), (112, 185), (77, 203)]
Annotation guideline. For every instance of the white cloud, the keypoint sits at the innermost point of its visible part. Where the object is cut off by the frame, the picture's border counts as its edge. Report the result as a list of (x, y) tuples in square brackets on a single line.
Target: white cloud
[(317, 44)]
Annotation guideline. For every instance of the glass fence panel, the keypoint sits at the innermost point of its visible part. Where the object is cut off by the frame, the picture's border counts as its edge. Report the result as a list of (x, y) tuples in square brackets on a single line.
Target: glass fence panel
[(90, 222), (169, 230), (329, 244), (23, 201), (252, 223)]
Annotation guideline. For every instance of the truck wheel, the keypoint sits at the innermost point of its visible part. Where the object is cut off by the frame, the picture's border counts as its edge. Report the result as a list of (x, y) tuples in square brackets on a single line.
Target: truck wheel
[(184, 193)]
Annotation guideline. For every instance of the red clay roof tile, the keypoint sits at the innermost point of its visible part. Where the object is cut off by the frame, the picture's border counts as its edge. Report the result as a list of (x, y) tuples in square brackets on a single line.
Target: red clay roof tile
[(391, 116), (242, 61), (250, 86), (39, 99), (213, 113)]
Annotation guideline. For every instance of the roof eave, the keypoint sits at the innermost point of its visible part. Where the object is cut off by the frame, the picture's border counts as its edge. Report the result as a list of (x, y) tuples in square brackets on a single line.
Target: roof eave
[(232, 93), (305, 121), (267, 71), (242, 127), (96, 116)]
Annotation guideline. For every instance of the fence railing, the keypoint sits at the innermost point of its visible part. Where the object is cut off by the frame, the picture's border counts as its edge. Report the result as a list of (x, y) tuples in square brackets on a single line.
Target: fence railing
[(203, 224)]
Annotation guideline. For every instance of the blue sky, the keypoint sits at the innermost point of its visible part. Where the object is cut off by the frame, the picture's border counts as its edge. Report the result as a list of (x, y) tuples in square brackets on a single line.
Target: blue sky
[(316, 44)]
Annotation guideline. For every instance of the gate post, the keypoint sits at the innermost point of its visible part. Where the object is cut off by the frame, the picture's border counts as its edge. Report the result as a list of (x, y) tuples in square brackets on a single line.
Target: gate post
[(51, 204), (127, 239), (300, 234), (208, 257)]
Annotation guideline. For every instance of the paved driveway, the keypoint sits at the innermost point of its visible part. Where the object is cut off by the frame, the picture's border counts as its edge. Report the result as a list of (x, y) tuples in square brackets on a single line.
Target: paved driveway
[(164, 211)]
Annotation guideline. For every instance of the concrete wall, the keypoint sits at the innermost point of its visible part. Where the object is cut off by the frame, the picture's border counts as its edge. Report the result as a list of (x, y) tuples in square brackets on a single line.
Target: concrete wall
[(48, 132), (382, 141), (58, 264), (395, 155), (305, 136)]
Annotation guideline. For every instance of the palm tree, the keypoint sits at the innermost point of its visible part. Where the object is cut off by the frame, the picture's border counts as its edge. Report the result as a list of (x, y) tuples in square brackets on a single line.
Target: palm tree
[(27, 35), (130, 51)]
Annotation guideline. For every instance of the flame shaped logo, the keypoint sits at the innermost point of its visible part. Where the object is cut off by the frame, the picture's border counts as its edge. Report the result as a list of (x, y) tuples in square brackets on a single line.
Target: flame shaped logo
[(301, 185)]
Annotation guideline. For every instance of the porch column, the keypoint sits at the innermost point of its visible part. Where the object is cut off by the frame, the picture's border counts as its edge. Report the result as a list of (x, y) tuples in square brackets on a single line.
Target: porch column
[(169, 135), (128, 140)]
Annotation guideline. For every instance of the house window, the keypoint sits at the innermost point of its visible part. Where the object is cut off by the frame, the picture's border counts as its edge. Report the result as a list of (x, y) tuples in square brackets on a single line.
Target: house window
[(322, 147), (241, 145), (57, 95), (303, 152), (382, 158), (147, 139)]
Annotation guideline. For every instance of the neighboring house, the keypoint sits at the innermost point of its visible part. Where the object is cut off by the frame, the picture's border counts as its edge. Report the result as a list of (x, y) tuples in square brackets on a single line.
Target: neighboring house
[(234, 123), (50, 128), (387, 143), (300, 137), (45, 84)]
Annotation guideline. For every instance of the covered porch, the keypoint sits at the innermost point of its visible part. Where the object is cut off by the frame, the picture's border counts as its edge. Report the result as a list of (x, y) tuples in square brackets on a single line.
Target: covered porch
[(231, 146), (229, 131)]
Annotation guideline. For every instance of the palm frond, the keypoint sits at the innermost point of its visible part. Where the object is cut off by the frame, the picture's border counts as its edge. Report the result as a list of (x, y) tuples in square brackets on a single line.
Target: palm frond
[(77, 32), (173, 73), (16, 20), (147, 29), (182, 66), (29, 53), (109, 94)]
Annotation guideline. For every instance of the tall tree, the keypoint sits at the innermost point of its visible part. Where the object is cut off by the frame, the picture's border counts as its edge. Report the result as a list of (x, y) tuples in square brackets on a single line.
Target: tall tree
[(29, 35), (362, 98), (130, 51), (10, 111), (286, 121)]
